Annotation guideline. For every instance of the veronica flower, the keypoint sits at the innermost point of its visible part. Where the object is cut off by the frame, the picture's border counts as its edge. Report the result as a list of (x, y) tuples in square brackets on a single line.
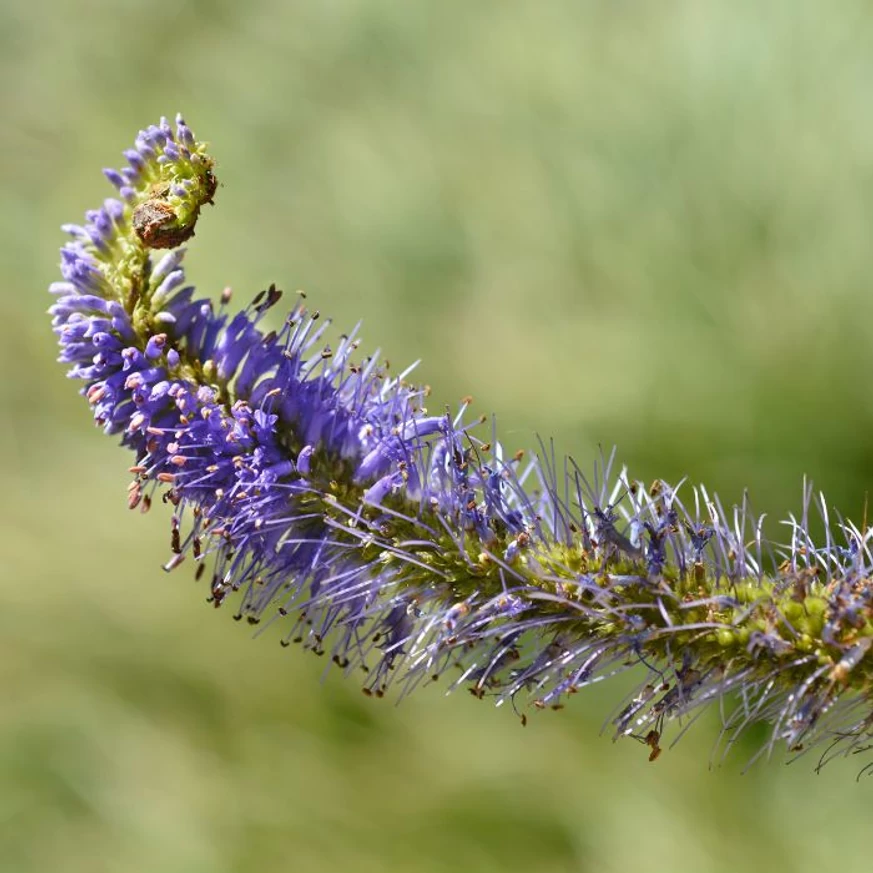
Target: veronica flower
[(312, 490)]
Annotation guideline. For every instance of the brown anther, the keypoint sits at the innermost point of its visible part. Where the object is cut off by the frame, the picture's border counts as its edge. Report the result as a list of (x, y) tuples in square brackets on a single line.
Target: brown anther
[(169, 478), (652, 740)]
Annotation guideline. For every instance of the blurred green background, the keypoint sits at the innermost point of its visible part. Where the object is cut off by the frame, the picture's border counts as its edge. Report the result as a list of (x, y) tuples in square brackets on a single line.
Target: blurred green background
[(612, 222)]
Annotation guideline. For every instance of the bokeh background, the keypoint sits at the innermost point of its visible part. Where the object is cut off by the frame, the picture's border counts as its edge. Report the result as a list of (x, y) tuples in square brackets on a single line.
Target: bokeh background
[(612, 222)]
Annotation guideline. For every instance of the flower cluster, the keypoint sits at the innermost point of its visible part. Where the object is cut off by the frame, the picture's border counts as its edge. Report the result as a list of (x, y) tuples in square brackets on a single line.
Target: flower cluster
[(316, 492)]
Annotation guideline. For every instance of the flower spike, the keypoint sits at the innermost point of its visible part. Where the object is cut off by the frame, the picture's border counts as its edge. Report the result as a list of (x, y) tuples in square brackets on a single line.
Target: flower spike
[(315, 492)]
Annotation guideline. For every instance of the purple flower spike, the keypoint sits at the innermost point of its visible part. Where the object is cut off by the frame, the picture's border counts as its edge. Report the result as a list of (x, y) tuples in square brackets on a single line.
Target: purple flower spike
[(115, 178), (312, 489), (135, 159)]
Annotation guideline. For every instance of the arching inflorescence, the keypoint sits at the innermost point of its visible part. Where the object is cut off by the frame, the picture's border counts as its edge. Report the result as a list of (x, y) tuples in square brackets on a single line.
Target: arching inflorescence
[(313, 491)]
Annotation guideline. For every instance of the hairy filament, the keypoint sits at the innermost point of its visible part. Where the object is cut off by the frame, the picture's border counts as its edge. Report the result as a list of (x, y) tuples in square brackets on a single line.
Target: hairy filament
[(318, 493)]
